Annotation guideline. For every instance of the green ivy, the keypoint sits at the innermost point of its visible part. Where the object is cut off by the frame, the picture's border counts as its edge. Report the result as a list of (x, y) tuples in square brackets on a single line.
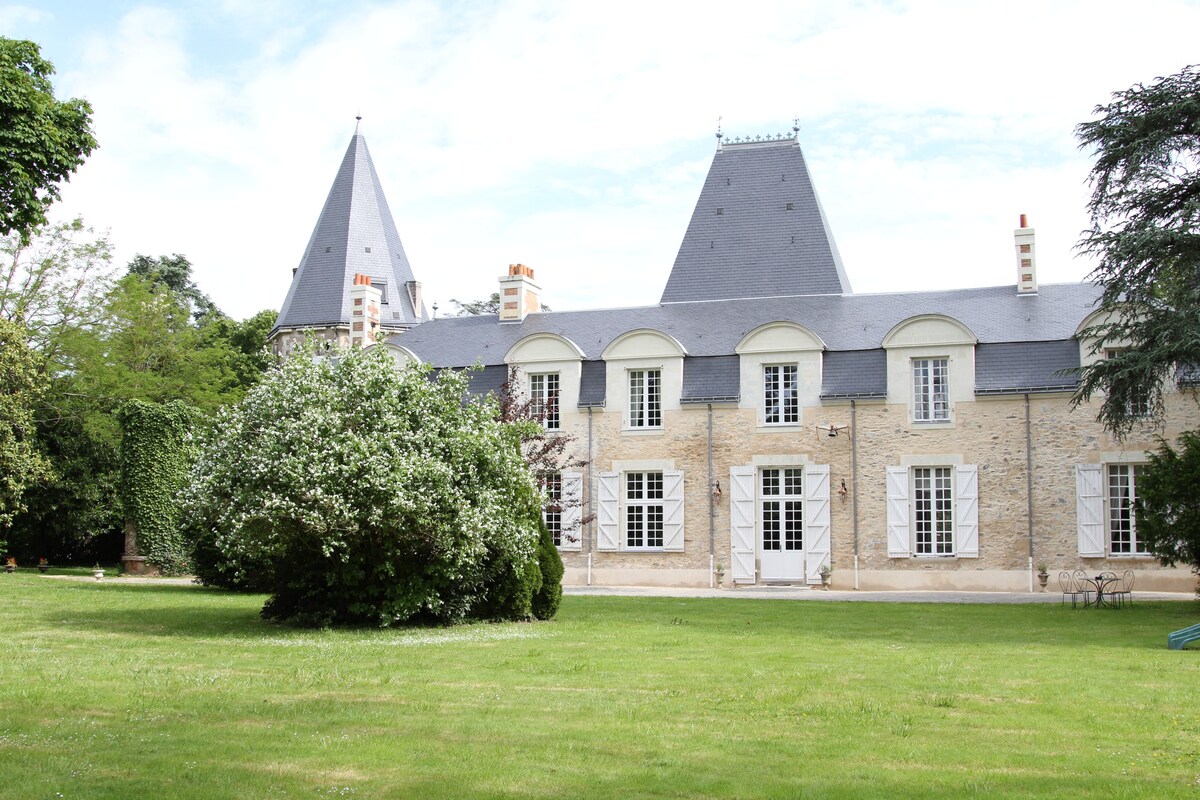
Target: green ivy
[(155, 458)]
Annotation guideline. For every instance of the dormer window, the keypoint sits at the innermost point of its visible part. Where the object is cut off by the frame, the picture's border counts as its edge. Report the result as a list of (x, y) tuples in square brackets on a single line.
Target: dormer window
[(645, 398), (544, 394), (931, 390), (780, 398)]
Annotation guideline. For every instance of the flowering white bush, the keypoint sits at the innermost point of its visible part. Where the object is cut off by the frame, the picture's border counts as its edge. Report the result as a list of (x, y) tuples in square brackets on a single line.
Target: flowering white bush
[(355, 493)]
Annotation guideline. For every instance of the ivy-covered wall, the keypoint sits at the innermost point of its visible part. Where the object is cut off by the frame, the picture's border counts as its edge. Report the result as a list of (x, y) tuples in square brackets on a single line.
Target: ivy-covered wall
[(155, 457)]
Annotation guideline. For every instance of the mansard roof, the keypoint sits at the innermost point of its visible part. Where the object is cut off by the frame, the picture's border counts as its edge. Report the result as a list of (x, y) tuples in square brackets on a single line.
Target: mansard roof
[(758, 230), (355, 234), (1025, 343), (844, 322)]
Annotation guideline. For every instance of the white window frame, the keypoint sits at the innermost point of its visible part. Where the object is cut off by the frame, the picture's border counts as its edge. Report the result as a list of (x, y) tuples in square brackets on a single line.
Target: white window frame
[(645, 398), (905, 512), (933, 511), (545, 392), (1120, 495), (643, 509), (931, 389), (552, 512), (781, 401), (613, 515), (784, 501)]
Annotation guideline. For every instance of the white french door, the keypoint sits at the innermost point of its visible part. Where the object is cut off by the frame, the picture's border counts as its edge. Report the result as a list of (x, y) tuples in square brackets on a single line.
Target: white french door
[(781, 523)]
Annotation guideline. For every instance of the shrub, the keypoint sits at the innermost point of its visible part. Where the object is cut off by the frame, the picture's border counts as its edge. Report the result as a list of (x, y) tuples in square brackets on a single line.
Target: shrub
[(549, 594), (354, 493)]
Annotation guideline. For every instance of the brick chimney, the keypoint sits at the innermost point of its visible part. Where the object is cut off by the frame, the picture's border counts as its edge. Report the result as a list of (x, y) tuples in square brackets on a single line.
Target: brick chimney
[(518, 294), (1026, 258), (364, 311)]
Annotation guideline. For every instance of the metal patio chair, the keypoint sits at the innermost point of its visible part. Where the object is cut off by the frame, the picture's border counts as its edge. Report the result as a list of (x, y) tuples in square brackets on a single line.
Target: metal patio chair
[(1122, 590), (1082, 586), (1070, 589)]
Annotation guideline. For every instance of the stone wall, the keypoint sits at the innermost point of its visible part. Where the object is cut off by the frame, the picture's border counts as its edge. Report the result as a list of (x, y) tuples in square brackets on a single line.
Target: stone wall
[(989, 433)]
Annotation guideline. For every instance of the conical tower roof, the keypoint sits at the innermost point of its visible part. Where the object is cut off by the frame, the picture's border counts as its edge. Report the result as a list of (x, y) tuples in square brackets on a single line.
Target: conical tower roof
[(355, 234), (758, 230)]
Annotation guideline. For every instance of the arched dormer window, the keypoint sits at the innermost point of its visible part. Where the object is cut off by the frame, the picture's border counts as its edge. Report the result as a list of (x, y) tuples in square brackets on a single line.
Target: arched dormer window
[(645, 377), (549, 369), (931, 366), (402, 357), (780, 365)]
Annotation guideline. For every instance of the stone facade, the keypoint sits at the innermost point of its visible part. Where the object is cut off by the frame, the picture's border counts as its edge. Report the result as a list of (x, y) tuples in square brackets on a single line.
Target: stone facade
[(987, 432), (916, 440)]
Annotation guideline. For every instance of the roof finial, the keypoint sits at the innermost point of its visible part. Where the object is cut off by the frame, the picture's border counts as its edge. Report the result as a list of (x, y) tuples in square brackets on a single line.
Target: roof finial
[(357, 120), (719, 135), (796, 127)]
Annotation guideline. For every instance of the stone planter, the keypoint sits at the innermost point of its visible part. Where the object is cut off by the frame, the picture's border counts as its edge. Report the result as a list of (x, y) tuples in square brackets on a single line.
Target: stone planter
[(98, 574), (1043, 577)]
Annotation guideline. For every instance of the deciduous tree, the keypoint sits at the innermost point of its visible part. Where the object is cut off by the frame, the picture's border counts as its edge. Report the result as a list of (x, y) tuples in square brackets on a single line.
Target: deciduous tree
[(42, 140), (22, 381)]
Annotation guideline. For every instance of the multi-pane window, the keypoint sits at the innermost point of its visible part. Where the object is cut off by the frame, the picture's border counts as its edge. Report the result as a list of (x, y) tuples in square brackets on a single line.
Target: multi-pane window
[(1138, 404), (933, 511), (552, 513), (1122, 522), (643, 509), (780, 394), (645, 398), (782, 509), (931, 389), (543, 393)]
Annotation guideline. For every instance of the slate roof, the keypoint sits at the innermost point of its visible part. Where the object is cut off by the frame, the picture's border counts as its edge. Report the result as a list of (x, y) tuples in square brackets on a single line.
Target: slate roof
[(711, 379), (758, 230), (844, 322), (355, 233), (849, 374), (1008, 367), (1023, 340)]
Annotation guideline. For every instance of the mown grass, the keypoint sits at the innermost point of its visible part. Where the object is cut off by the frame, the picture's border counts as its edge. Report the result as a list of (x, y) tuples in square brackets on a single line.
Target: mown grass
[(111, 690)]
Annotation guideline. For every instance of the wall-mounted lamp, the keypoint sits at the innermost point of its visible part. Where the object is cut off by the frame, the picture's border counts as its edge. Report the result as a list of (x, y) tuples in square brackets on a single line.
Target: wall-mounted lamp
[(831, 430), (843, 491), (716, 491)]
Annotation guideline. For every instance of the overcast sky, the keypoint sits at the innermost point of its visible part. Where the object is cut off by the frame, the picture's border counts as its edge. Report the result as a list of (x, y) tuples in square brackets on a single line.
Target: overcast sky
[(575, 137)]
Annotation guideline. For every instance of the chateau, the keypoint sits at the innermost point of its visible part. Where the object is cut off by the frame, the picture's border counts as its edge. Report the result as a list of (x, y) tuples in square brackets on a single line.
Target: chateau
[(763, 422)]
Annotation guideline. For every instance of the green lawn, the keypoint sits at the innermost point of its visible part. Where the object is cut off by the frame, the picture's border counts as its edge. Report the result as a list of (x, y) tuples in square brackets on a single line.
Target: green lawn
[(119, 691)]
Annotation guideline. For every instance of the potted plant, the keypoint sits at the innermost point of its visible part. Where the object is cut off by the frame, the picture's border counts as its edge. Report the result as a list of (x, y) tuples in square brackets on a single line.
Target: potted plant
[(10, 565), (1043, 575), (43, 565), (98, 572), (825, 574), (720, 574)]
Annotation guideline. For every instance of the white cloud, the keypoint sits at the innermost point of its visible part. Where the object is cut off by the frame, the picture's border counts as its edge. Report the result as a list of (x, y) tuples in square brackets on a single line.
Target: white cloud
[(575, 137)]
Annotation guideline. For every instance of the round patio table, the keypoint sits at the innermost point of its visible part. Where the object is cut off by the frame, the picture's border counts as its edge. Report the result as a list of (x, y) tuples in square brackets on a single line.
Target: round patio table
[(1102, 582)]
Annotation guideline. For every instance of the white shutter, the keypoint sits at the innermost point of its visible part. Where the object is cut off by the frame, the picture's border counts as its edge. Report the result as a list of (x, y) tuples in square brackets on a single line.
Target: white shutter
[(672, 510), (1089, 509), (608, 512), (741, 524), (899, 541), (816, 520), (571, 502), (966, 510)]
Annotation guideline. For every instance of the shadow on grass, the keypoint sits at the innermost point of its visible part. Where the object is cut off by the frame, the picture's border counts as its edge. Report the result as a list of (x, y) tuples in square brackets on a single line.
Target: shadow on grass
[(196, 611)]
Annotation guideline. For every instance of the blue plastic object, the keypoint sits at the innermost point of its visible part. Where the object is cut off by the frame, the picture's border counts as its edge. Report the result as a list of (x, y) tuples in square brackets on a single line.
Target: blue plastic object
[(1178, 639)]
